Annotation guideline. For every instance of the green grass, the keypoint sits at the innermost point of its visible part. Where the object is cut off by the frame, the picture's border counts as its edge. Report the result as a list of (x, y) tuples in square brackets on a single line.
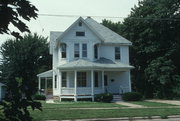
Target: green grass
[(80, 104), (59, 114), (68, 110), (151, 104)]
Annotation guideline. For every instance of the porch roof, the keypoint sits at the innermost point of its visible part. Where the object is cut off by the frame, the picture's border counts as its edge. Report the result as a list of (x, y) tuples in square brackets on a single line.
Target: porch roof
[(101, 63), (1, 84), (46, 74)]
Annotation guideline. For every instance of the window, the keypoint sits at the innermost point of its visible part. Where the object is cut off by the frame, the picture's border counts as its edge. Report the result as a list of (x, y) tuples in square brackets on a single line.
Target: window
[(95, 51), (63, 51), (80, 23), (76, 50), (64, 79), (80, 33), (96, 79), (55, 81), (81, 79), (105, 80), (117, 53), (84, 50)]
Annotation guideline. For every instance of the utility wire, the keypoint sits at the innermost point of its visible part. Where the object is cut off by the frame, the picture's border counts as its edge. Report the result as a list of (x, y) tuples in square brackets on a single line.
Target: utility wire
[(138, 18)]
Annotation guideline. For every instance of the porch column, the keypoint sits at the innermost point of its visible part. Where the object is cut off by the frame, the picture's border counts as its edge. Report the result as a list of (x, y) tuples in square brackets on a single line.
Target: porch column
[(39, 84), (46, 85), (92, 84), (103, 81), (129, 76), (60, 80), (75, 85)]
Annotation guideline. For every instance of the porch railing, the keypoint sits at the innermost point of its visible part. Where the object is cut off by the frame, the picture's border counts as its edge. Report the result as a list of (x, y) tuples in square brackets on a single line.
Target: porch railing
[(80, 91)]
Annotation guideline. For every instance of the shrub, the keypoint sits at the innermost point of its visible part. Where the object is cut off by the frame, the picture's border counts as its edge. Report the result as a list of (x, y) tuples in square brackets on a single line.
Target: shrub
[(104, 97), (39, 97), (131, 96)]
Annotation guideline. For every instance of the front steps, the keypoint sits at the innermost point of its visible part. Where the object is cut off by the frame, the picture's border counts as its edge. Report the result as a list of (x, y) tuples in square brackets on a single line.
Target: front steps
[(117, 98)]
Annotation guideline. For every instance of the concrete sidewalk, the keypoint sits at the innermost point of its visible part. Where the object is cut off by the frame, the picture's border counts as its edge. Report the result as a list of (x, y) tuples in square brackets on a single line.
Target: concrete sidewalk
[(173, 102), (130, 104), (152, 118)]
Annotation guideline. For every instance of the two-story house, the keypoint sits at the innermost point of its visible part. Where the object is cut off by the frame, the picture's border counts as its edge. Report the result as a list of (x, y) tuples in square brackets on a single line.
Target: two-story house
[(88, 59)]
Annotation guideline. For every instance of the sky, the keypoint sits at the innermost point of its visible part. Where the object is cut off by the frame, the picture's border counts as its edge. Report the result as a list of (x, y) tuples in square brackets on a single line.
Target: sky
[(44, 24)]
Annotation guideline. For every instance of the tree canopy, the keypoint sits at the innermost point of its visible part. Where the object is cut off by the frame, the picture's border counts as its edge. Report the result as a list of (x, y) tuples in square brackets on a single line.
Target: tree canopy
[(14, 12), (154, 28), (22, 60)]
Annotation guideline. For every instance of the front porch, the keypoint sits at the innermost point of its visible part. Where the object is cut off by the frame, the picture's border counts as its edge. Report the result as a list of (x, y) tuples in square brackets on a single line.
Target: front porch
[(84, 79), (80, 84), (76, 84)]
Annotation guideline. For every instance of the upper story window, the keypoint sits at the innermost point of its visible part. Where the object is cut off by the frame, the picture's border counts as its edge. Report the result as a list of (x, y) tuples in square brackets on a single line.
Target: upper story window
[(117, 53), (76, 50), (95, 51), (63, 51), (80, 24), (84, 50), (80, 34)]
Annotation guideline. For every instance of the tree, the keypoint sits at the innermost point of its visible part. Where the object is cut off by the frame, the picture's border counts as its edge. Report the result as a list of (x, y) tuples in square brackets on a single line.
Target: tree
[(21, 61), (154, 28), (14, 12)]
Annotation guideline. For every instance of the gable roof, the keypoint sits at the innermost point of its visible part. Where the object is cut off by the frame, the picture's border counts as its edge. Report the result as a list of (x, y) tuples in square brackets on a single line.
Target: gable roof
[(108, 35), (53, 37), (105, 34)]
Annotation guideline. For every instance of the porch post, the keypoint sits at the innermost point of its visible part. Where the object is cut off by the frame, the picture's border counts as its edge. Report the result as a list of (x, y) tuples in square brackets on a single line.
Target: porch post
[(75, 85), (46, 85), (92, 84), (129, 81), (60, 80), (103, 81), (39, 84)]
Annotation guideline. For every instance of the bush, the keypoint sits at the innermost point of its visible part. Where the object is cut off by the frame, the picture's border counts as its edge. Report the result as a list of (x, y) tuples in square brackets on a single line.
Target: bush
[(39, 97), (132, 96), (104, 97)]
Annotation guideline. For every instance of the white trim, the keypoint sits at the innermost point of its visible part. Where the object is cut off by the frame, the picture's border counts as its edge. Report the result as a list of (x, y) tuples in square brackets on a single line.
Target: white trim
[(103, 80), (75, 85), (92, 84), (130, 89), (60, 78)]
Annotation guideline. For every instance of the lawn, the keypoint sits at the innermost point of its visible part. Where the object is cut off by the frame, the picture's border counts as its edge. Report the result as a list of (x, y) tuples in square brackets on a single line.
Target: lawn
[(59, 114), (151, 104), (68, 110)]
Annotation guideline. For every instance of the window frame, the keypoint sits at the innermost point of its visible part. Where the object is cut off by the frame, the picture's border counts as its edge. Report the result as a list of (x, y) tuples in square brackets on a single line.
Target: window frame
[(96, 79), (117, 53), (55, 82), (84, 50), (81, 79), (63, 50), (64, 80), (80, 34), (77, 51), (95, 51)]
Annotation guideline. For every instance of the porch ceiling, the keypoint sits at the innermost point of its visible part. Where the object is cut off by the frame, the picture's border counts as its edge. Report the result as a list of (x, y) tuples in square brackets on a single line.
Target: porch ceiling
[(102, 63), (46, 74)]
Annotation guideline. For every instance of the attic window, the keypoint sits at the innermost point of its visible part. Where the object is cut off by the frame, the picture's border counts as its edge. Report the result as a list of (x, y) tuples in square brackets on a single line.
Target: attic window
[(80, 23), (80, 34)]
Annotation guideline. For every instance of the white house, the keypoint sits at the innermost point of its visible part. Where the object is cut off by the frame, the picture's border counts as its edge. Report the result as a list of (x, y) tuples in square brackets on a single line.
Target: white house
[(88, 59)]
